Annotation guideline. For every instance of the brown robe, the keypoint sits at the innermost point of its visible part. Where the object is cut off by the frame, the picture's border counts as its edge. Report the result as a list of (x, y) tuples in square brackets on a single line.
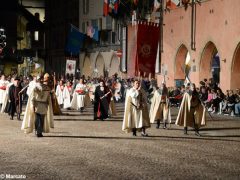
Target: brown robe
[(188, 114)]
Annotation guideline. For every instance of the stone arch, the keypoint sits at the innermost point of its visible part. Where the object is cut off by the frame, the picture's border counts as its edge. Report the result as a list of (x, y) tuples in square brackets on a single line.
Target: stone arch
[(99, 66), (235, 72), (206, 69), (180, 59), (114, 66), (87, 70)]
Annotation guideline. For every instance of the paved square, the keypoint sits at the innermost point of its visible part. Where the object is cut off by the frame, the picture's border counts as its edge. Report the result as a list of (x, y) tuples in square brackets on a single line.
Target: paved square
[(79, 148)]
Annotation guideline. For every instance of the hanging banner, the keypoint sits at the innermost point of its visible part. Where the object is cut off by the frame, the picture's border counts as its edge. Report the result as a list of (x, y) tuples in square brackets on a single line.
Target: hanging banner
[(147, 45), (70, 66)]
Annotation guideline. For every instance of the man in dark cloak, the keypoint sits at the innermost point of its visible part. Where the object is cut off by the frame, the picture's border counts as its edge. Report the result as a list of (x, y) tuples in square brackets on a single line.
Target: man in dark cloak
[(15, 99), (101, 101)]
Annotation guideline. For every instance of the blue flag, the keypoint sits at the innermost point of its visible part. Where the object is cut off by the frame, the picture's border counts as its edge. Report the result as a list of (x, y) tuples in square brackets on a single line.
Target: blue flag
[(75, 41), (96, 33)]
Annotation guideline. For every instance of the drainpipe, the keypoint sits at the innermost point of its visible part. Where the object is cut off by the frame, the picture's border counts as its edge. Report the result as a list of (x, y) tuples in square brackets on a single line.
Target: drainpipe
[(161, 34), (193, 26)]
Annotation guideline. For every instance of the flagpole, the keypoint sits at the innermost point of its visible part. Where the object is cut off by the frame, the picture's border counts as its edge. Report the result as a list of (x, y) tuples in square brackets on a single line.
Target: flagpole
[(193, 26), (161, 34)]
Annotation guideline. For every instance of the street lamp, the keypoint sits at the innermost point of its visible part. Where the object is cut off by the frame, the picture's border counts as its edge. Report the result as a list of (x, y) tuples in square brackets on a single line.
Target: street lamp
[(2, 38)]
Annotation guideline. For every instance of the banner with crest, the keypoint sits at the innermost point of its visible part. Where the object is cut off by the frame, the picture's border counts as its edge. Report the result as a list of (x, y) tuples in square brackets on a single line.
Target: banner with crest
[(70, 66)]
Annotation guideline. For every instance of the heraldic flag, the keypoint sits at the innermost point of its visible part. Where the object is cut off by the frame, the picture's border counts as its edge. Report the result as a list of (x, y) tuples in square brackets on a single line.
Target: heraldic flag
[(147, 46), (75, 41)]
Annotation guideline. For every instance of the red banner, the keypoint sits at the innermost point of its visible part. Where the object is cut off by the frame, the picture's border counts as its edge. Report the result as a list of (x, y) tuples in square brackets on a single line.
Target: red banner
[(147, 45)]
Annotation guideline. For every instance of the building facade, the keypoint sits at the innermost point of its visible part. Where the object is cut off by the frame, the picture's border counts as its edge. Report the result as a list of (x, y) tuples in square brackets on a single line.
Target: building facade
[(212, 47), (20, 44), (100, 58), (60, 14)]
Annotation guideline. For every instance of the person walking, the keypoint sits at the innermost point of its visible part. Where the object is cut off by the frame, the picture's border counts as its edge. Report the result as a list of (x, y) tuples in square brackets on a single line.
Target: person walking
[(192, 112), (136, 116)]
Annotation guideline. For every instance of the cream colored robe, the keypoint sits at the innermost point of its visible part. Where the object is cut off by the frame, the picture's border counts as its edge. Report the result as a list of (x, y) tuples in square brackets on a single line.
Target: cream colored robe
[(112, 108), (28, 123), (6, 98), (158, 110), (134, 117), (117, 94), (3, 93), (78, 100), (59, 94), (30, 88), (186, 114), (66, 98)]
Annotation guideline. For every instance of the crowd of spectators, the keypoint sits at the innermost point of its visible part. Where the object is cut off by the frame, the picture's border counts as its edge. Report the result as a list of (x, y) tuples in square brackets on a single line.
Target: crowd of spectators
[(211, 95)]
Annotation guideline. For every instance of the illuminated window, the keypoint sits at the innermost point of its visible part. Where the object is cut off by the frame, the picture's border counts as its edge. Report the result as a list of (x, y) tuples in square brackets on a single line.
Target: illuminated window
[(36, 35)]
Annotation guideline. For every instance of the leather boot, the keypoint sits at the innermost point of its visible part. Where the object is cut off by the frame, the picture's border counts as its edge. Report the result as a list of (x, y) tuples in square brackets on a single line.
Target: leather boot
[(18, 116), (144, 134), (185, 130), (164, 125), (158, 124), (134, 130)]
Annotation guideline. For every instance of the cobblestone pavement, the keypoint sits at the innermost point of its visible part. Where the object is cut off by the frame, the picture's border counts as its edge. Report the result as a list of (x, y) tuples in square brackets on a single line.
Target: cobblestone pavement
[(79, 148)]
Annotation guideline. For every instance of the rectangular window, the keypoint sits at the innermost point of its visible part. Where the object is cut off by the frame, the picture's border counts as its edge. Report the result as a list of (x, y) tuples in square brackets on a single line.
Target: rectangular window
[(100, 24), (109, 37), (113, 37), (109, 23), (36, 35), (94, 23)]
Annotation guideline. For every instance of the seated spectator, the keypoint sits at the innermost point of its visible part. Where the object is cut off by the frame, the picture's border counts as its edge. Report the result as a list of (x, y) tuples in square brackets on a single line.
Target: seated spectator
[(212, 84), (230, 103), (209, 99), (223, 104), (202, 85), (217, 98), (203, 95), (175, 98), (237, 105)]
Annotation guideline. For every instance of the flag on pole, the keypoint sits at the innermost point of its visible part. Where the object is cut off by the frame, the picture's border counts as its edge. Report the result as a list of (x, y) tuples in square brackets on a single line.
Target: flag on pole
[(171, 4), (93, 32), (90, 31), (96, 33), (156, 5), (105, 8), (75, 40), (111, 6), (116, 5), (147, 47), (70, 66)]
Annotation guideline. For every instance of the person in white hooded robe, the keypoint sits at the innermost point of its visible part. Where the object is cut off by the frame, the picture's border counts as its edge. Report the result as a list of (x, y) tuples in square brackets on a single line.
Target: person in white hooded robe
[(79, 96), (31, 86), (3, 89), (67, 95), (39, 111), (59, 93), (136, 116), (6, 97), (160, 109)]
